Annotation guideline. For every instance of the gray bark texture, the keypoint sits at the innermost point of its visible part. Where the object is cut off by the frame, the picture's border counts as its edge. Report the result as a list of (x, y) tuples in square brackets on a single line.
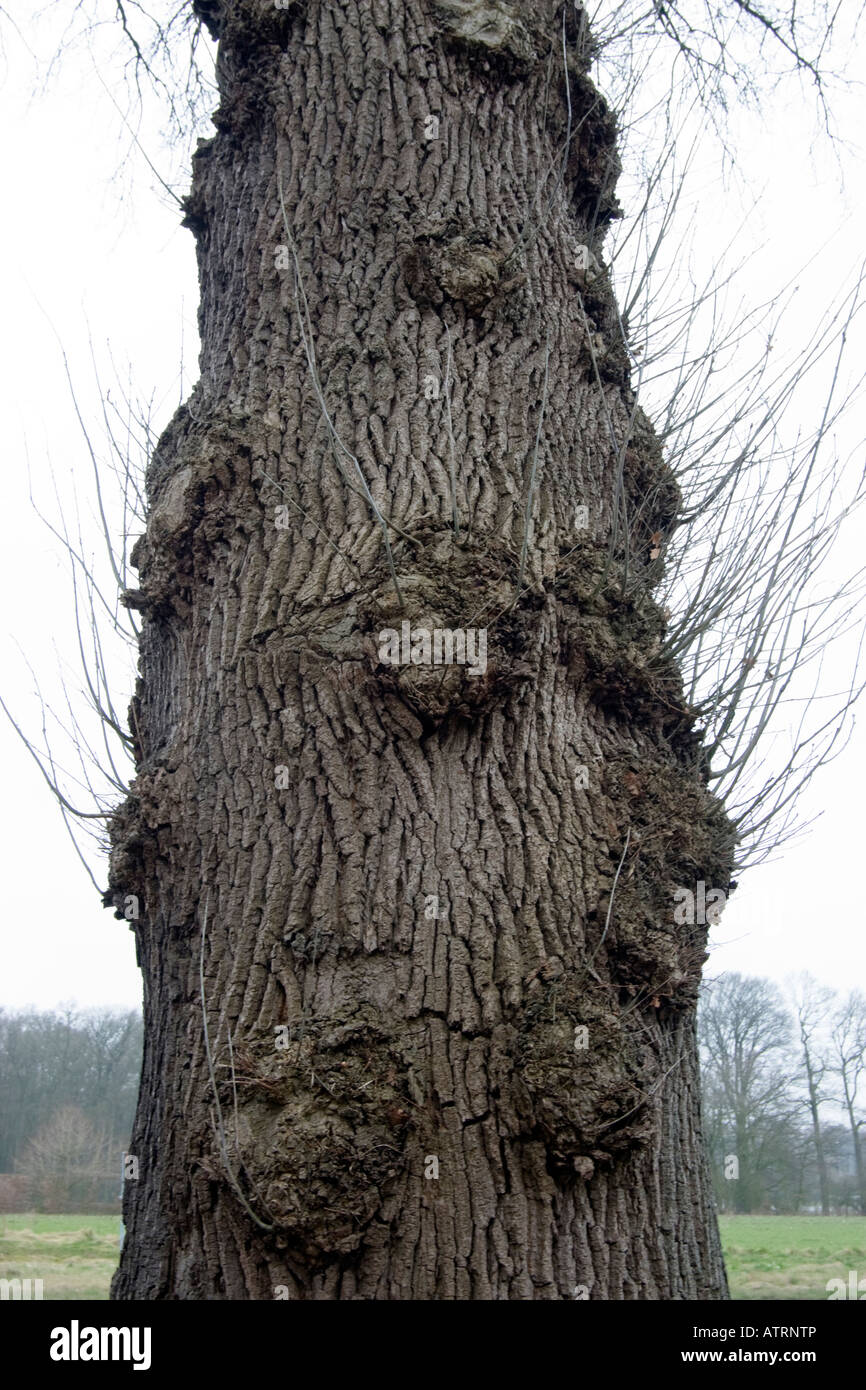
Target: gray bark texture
[(393, 886)]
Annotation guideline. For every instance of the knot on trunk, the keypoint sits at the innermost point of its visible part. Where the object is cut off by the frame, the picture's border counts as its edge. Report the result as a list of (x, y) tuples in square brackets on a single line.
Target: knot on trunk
[(457, 643), (323, 1113), (510, 33), (585, 1070), (466, 269)]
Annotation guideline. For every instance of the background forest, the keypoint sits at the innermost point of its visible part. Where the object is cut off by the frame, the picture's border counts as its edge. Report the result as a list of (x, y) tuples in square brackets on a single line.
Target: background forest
[(784, 1077)]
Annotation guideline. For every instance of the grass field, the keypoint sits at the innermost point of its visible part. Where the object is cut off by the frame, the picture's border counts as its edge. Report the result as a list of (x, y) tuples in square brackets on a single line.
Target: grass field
[(74, 1256), (767, 1256), (791, 1256)]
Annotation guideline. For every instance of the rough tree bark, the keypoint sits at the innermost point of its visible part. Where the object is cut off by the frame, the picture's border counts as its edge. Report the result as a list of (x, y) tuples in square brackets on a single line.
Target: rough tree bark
[(392, 885)]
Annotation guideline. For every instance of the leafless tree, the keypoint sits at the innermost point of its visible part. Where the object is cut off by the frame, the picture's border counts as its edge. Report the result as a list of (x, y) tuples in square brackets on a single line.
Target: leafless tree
[(745, 1035), (849, 1066), (429, 890), (68, 1162), (812, 1006)]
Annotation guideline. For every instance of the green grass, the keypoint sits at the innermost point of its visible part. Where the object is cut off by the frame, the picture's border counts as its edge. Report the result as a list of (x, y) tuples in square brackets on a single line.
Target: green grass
[(74, 1256), (791, 1256)]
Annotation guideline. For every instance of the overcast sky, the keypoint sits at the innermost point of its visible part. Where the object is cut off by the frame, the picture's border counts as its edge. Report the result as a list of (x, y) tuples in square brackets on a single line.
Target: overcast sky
[(92, 250)]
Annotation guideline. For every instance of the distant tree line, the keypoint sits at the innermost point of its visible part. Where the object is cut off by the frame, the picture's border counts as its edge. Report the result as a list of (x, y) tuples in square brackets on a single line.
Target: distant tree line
[(784, 1095), (783, 1079), (68, 1086)]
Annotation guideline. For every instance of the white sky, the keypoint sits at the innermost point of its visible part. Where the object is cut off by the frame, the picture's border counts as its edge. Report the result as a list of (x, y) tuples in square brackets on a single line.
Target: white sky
[(87, 253)]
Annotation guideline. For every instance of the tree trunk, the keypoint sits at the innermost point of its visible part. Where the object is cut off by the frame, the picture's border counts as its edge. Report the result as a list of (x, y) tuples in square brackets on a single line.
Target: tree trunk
[(855, 1127), (447, 1048), (812, 1087), (744, 1192)]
